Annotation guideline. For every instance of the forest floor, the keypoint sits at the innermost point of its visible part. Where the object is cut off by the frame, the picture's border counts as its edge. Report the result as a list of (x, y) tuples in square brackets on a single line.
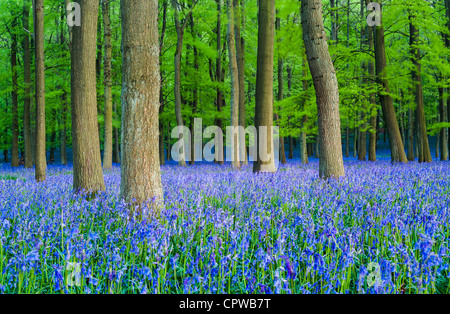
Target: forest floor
[(381, 229)]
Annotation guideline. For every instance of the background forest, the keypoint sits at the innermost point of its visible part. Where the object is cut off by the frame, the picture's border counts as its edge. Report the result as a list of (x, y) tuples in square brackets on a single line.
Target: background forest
[(191, 29)]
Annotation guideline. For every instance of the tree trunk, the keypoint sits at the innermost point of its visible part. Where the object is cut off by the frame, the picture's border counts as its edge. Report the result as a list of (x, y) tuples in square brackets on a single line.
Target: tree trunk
[(140, 176), (14, 96), (280, 90), (239, 17), (195, 94), (291, 139), (410, 134), (331, 162), (234, 101), (63, 109), (443, 119), (303, 147), (447, 44), (179, 27), (161, 91), (219, 79), (41, 164), (87, 165), (27, 85), (373, 102), (264, 91), (108, 148), (395, 139), (116, 153), (424, 148)]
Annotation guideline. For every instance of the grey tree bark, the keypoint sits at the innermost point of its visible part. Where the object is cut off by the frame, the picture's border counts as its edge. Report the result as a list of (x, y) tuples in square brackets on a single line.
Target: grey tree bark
[(331, 162), (264, 85), (140, 175), (87, 166)]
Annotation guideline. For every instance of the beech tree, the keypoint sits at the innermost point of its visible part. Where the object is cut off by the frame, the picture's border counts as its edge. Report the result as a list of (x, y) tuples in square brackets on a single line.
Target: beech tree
[(140, 175), (264, 83), (331, 162), (395, 139), (87, 166)]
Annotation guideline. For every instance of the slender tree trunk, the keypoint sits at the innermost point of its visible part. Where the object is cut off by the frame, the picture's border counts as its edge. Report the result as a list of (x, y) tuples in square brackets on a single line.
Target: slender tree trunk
[(14, 96), (116, 153), (63, 109), (373, 102), (161, 91), (108, 148), (424, 148), (331, 162), (443, 119), (447, 44), (140, 176), (280, 89), (41, 164), (27, 85), (410, 134), (179, 27), (303, 147), (264, 83), (63, 149), (87, 165), (395, 140), (347, 141), (239, 17), (219, 158), (291, 139), (234, 86), (195, 93), (362, 147)]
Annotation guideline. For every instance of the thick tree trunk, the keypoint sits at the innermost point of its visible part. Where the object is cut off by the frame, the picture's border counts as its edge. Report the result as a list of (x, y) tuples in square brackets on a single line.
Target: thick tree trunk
[(14, 96), (395, 139), (87, 165), (140, 176), (234, 101), (424, 148), (108, 148), (27, 85), (41, 164), (264, 83), (326, 87)]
